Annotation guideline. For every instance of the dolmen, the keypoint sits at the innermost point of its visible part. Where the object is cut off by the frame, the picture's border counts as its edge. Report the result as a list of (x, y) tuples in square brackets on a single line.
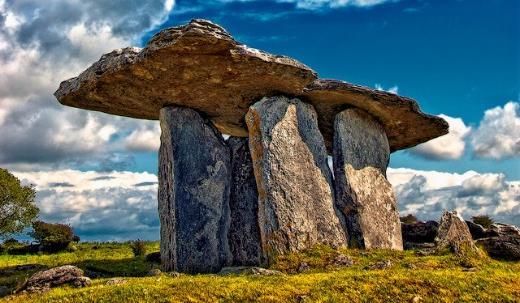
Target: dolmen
[(267, 190)]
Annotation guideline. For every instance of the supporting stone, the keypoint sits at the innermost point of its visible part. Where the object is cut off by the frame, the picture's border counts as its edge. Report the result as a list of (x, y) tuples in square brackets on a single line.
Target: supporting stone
[(194, 177), (244, 232), (364, 195), (296, 208)]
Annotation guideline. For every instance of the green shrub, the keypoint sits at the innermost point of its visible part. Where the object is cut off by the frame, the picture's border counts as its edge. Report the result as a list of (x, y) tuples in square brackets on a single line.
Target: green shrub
[(138, 247), (484, 220), (409, 219), (52, 237)]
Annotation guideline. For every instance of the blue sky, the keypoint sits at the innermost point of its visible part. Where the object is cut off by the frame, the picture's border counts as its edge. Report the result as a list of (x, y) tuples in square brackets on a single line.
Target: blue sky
[(456, 58)]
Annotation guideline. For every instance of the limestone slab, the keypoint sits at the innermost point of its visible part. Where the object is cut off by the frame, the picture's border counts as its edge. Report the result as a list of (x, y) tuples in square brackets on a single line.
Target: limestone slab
[(296, 208), (194, 184), (201, 66), (360, 156)]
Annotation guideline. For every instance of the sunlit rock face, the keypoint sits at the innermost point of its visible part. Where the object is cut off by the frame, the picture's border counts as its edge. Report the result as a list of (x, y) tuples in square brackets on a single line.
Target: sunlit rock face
[(361, 153), (295, 194), (194, 183)]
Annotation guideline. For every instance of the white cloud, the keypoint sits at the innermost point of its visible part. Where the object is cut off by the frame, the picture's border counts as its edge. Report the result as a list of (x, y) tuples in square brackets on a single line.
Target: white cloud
[(145, 138), (45, 42), (99, 206), (316, 4), (448, 147), (498, 135), (394, 89), (427, 193)]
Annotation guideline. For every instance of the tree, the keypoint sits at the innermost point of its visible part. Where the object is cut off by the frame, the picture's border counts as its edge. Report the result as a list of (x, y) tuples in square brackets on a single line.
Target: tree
[(17, 207), (484, 220), (52, 236)]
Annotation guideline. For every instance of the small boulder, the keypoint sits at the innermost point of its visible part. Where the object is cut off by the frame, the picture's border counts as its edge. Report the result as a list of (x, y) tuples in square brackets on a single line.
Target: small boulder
[(506, 247), (342, 260), (380, 265), (419, 232), (154, 272), (116, 281), (67, 274), (453, 234), (499, 229), (257, 271), (303, 267), (477, 231)]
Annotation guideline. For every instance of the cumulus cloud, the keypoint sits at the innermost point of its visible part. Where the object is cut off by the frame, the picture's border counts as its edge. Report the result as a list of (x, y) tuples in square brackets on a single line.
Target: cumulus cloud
[(99, 206), (45, 42), (427, 193), (145, 138), (448, 147), (498, 134)]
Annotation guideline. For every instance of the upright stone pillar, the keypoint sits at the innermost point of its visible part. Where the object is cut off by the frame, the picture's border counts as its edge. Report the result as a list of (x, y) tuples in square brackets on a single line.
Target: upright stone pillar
[(361, 154), (244, 232), (194, 177), (296, 208)]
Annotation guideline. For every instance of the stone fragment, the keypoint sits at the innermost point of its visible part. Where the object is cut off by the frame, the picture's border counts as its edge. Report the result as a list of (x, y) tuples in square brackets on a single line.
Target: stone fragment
[(244, 232), (504, 247), (116, 281), (342, 260), (454, 235), (295, 203), (67, 274), (249, 270), (154, 272), (380, 265), (364, 195), (194, 177), (477, 231)]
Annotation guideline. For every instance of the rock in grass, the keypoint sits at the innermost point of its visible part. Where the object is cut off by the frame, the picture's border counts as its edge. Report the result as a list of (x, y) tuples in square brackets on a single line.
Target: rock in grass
[(249, 270), (342, 260), (154, 272), (295, 194), (116, 281), (380, 265), (454, 235), (505, 247), (244, 232), (67, 274)]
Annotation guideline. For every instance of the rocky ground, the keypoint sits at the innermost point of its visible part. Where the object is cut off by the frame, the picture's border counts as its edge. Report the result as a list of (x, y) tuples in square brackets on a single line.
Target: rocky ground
[(321, 274)]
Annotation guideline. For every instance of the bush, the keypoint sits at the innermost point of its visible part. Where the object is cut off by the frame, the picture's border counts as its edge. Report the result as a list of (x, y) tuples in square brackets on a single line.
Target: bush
[(138, 248), (409, 219), (154, 257), (52, 237), (483, 220)]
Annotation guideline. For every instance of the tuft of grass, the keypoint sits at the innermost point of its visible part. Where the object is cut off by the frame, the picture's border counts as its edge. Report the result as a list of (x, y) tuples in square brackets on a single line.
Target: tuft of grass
[(431, 278)]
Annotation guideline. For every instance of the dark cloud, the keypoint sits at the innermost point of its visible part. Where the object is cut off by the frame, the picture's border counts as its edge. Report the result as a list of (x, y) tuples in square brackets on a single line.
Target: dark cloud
[(145, 184), (60, 184)]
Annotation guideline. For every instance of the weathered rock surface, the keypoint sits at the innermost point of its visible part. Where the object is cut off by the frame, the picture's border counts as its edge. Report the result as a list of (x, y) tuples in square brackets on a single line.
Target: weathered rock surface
[(477, 231), (244, 232), (364, 195), (194, 183), (506, 247), (402, 120), (454, 235), (499, 229), (199, 65), (420, 232), (67, 274), (296, 209)]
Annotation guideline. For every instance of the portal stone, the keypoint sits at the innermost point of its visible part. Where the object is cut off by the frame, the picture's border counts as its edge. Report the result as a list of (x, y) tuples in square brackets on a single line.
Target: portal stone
[(295, 193), (194, 177), (244, 232), (454, 235), (364, 195)]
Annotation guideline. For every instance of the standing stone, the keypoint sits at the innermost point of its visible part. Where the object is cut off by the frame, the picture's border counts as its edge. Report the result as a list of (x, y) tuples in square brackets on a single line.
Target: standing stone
[(295, 195), (194, 177), (364, 195), (244, 232), (454, 235)]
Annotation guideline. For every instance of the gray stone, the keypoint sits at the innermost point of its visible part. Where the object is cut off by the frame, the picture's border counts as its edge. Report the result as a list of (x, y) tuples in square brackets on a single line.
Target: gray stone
[(116, 281), (67, 274), (342, 260), (296, 208), (364, 195), (249, 270), (504, 247), (454, 235), (244, 232), (380, 265), (194, 177), (419, 232), (477, 231)]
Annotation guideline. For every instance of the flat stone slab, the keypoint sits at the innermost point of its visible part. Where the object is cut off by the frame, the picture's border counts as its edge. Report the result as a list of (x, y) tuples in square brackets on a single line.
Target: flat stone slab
[(201, 66), (404, 123)]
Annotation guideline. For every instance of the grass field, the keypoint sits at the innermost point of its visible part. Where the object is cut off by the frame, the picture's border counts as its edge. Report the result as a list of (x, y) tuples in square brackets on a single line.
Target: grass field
[(411, 278)]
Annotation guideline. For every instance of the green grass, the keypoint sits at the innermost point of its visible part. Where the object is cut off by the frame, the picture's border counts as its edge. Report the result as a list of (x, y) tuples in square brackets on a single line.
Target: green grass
[(432, 278)]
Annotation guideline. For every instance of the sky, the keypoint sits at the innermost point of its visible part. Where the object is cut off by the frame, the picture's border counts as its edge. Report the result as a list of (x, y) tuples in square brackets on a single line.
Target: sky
[(459, 59)]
